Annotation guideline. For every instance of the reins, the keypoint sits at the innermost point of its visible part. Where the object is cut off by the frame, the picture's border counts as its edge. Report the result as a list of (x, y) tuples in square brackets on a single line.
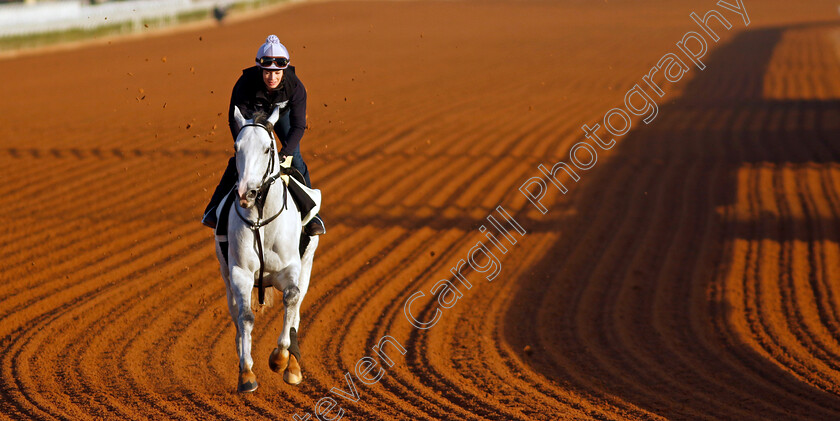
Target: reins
[(267, 180)]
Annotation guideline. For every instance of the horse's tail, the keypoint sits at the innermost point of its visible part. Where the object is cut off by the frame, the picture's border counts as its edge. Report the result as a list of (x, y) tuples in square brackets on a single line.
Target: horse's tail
[(270, 294)]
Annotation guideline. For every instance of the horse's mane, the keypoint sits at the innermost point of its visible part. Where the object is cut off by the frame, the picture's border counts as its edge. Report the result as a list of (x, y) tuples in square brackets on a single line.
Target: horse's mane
[(261, 117)]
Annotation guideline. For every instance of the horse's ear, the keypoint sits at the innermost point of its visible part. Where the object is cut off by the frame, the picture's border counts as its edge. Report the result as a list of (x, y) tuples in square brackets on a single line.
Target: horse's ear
[(237, 115), (275, 115)]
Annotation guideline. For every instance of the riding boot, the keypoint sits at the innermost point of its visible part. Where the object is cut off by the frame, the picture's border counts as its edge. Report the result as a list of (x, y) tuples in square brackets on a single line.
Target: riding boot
[(225, 185), (315, 226)]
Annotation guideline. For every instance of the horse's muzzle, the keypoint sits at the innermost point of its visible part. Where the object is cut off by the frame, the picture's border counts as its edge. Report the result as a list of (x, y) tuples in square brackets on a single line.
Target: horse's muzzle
[(247, 200)]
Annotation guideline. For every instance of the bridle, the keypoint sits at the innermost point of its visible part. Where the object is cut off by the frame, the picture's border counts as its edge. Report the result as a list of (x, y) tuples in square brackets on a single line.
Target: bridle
[(269, 177)]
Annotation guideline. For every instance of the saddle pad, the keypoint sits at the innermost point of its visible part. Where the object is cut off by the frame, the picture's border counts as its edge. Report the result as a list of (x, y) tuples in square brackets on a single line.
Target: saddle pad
[(222, 212), (308, 200)]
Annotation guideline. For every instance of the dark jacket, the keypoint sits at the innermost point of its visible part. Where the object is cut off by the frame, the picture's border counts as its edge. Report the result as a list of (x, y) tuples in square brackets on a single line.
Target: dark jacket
[(250, 94)]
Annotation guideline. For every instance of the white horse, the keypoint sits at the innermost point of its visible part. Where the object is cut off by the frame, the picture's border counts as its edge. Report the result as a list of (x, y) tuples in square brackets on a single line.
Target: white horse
[(275, 230)]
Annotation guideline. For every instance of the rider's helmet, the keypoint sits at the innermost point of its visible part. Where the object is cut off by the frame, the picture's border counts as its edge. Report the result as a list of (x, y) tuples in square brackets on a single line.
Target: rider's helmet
[(272, 55)]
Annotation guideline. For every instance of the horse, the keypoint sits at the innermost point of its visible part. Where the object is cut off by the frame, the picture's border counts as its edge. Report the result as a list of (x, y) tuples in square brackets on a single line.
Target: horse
[(266, 247)]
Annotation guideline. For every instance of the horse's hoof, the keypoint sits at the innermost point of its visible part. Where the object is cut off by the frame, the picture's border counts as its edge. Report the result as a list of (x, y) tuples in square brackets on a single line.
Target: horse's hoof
[(292, 375), (247, 382), (278, 360)]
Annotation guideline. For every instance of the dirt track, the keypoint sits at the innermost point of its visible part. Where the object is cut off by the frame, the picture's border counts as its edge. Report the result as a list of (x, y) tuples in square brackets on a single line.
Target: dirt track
[(692, 273)]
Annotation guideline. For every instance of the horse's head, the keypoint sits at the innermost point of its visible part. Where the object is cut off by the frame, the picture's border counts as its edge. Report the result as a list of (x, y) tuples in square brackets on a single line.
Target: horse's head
[(255, 151)]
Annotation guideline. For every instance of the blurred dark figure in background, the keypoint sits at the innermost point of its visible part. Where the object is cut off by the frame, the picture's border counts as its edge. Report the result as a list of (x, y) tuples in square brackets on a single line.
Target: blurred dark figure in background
[(219, 13)]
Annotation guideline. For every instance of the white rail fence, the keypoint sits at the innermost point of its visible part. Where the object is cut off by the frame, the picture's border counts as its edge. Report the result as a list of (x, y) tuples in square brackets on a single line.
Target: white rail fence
[(27, 19)]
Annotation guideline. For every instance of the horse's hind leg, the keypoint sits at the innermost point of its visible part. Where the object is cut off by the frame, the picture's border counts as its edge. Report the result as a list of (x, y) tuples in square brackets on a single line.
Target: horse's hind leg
[(286, 356), (240, 288), (305, 273)]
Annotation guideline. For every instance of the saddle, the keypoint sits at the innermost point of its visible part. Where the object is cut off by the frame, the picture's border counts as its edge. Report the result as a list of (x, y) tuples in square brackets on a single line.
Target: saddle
[(308, 202)]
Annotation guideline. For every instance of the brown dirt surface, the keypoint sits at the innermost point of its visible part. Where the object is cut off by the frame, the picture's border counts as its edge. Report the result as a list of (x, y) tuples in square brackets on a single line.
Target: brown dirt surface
[(692, 273)]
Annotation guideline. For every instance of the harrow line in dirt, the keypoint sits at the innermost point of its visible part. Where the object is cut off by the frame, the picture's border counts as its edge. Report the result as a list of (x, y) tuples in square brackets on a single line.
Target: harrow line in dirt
[(399, 242), (561, 400), (671, 277), (448, 355), (614, 252), (112, 305), (584, 328), (181, 292), (87, 272), (802, 255), (554, 363), (65, 309), (830, 212), (79, 177), (398, 384)]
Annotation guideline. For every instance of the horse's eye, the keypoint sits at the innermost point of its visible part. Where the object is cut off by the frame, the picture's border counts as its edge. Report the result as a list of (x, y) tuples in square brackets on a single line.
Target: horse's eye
[(266, 151)]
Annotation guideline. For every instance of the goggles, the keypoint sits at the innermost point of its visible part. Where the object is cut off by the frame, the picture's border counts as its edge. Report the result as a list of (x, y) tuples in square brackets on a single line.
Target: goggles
[(280, 62)]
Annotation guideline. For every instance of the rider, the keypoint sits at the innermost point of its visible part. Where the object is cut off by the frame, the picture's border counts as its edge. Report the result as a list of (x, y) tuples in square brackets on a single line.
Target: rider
[(270, 83)]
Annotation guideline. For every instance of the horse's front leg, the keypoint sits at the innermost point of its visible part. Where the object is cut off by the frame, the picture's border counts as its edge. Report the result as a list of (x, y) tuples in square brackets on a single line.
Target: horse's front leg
[(286, 356), (241, 283), (234, 311)]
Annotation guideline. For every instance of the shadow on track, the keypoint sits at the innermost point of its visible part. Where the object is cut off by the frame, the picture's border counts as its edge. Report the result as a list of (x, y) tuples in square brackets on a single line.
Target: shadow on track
[(635, 305)]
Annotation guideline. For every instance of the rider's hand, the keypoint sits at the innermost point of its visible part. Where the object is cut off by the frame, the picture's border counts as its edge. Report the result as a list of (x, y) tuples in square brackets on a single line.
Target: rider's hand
[(285, 160)]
